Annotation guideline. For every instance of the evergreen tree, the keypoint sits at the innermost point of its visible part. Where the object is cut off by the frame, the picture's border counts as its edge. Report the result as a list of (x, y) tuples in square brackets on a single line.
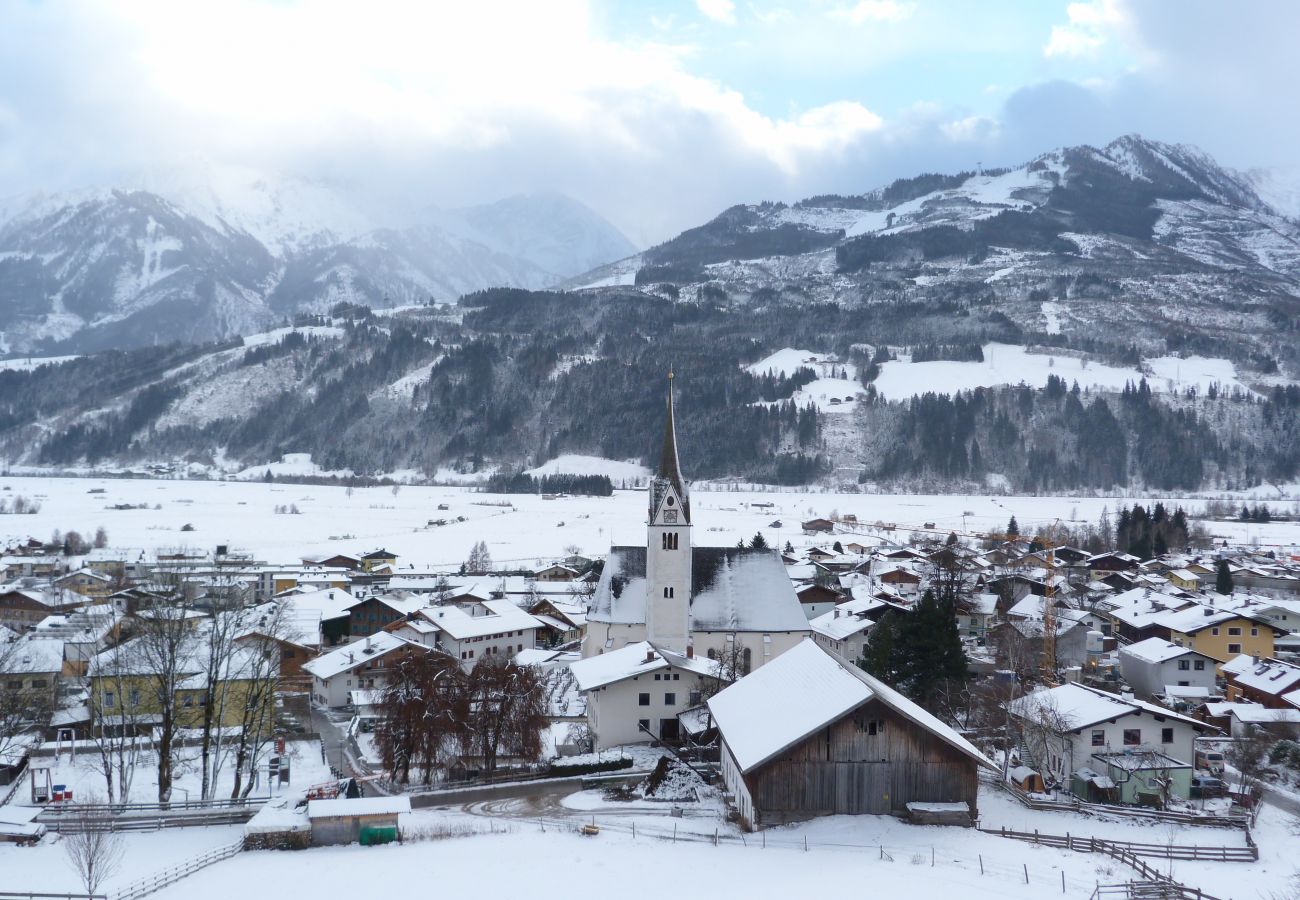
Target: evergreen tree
[(837, 547), (1013, 528), (1223, 578), (759, 542), (880, 656), (789, 547)]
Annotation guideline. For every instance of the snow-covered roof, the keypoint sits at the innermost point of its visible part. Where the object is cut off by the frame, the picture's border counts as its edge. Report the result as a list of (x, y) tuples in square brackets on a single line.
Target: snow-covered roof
[(848, 618), (1156, 650), (802, 690), (633, 660), (1258, 714), (351, 656), (31, 656), (1186, 692), (732, 589), (358, 806), (1269, 676), (486, 617), (1074, 706)]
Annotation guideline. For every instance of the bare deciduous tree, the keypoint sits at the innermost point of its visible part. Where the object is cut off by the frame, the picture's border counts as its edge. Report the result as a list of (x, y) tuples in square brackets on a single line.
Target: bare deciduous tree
[(25, 710), (94, 850), (116, 715)]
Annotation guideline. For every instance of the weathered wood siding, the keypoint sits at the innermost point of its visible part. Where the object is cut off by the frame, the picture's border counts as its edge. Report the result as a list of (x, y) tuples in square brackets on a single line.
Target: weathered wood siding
[(843, 768)]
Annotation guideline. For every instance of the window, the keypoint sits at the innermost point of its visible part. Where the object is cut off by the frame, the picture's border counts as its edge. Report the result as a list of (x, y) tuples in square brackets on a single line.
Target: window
[(643, 724), (745, 658), (670, 699), (1184, 683), (1215, 631), (1198, 665), (642, 699), (668, 592), (1099, 737), (713, 654), (677, 676), (669, 540), (1234, 632), (1184, 665), (188, 701), (1132, 737), (695, 698), (1234, 648), (1254, 632), (14, 685), (135, 697), (656, 677), (1166, 735), (109, 700)]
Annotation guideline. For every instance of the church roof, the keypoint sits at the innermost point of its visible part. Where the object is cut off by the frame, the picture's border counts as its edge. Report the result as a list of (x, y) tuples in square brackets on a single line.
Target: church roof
[(732, 589)]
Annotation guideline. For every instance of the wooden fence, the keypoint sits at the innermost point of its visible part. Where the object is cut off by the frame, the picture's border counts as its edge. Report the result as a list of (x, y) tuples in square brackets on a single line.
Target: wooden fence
[(159, 880), (73, 825), (1248, 853), (1073, 804), (31, 895)]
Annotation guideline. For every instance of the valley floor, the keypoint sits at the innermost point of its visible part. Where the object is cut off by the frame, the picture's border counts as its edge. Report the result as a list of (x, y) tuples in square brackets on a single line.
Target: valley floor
[(520, 529)]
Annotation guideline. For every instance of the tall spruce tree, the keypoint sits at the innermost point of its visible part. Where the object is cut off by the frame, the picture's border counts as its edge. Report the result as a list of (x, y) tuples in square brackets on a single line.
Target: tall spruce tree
[(1223, 578), (1013, 528)]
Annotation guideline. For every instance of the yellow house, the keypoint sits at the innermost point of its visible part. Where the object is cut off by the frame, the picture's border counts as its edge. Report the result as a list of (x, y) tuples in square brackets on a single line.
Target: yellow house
[(1220, 633), (87, 583), (123, 689), (377, 559), (1184, 578)]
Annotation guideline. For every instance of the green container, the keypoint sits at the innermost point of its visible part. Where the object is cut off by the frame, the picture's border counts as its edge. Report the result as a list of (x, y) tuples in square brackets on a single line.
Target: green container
[(378, 834)]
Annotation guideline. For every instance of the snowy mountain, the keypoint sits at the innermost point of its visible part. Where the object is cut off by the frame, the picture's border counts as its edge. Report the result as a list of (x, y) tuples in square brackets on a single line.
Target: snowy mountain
[(1150, 243), (202, 252)]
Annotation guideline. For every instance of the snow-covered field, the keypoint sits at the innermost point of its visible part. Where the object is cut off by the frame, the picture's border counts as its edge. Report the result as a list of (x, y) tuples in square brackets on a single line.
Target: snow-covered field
[(518, 528), (27, 363), (81, 776), (1011, 364), (549, 860)]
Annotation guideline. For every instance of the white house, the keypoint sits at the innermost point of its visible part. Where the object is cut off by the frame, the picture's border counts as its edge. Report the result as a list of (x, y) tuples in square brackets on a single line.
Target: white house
[(362, 664), (1065, 726), (470, 631), (846, 629), (637, 687), (1152, 665)]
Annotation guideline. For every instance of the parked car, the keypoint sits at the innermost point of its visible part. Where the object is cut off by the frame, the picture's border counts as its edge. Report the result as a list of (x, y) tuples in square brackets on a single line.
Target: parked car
[(1210, 761), (1206, 786)]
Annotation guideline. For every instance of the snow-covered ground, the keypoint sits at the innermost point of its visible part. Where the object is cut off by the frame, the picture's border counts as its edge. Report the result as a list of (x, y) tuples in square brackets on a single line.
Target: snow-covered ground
[(80, 774), (518, 528), (835, 391), (27, 363), (576, 464), (1011, 364)]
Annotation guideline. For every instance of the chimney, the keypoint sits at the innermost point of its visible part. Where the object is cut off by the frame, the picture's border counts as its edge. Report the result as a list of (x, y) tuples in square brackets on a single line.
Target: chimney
[(649, 655), (837, 612), (351, 657), (690, 650)]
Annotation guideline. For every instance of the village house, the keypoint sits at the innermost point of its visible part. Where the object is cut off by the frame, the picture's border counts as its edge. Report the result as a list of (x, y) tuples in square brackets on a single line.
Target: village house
[(809, 735), (1243, 720), (31, 666), (818, 526), (375, 613), (1253, 679), (636, 693), (556, 572), (978, 616), (378, 559), (1153, 665), (560, 622), (1221, 634), (22, 608), (363, 664), (817, 599), (86, 582), (1072, 727), (470, 631)]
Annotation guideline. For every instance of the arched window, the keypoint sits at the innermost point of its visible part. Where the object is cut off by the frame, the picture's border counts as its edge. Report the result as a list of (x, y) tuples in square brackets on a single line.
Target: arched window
[(668, 592), (744, 661), (669, 540)]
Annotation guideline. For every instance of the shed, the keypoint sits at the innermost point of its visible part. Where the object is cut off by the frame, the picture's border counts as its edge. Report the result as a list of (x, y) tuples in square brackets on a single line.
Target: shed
[(365, 820), (810, 734)]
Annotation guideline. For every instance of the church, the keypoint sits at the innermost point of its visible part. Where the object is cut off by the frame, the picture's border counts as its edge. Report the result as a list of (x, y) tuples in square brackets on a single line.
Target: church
[(671, 604)]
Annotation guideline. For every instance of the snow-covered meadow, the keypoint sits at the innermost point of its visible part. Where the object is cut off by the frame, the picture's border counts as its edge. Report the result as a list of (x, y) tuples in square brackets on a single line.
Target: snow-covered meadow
[(522, 529)]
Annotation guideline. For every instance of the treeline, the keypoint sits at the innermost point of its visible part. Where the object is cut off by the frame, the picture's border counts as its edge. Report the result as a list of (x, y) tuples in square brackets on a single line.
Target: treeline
[(523, 483)]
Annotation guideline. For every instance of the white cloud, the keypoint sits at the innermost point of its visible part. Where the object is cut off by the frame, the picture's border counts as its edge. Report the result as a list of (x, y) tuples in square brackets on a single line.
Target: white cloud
[(723, 11), (1090, 27), (875, 11)]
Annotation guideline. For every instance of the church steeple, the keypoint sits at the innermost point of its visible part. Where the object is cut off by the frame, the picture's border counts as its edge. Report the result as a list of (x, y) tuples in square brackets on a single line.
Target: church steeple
[(668, 547), (668, 480)]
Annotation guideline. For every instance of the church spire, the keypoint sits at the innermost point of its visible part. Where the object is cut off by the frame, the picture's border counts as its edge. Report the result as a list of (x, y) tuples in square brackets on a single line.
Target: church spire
[(669, 464), (669, 480)]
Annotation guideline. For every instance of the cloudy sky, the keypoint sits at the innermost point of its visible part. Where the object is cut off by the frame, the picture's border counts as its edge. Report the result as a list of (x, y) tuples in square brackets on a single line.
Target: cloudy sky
[(658, 114)]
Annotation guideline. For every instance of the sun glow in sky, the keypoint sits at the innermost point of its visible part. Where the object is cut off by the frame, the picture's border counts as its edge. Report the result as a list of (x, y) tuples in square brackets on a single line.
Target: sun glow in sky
[(657, 114)]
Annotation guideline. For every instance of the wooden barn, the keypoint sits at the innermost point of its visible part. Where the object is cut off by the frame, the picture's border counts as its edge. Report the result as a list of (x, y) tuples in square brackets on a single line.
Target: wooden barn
[(810, 735)]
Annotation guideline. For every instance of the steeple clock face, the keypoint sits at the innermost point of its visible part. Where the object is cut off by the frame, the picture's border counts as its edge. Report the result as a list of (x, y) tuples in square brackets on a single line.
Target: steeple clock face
[(670, 515)]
